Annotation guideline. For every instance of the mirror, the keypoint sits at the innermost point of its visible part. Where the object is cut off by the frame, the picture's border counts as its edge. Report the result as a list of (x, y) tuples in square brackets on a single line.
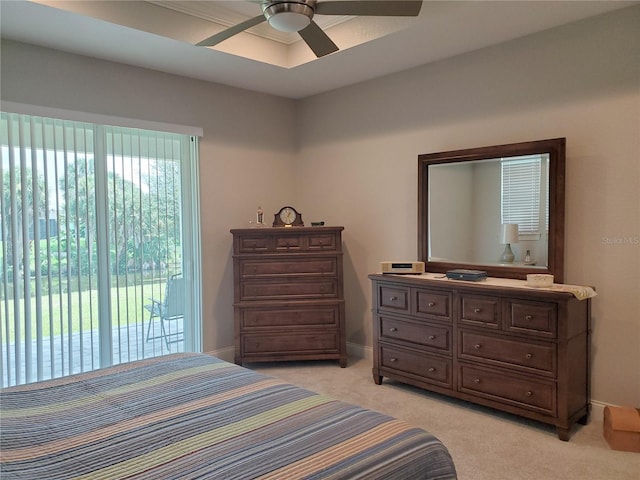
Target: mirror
[(499, 209)]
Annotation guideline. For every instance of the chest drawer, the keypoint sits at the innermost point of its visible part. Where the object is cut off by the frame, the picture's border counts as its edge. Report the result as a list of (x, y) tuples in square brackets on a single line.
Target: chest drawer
[(291, 342), (433, 304), (521, 355), (393, 298), (287, 240), (288, 266), (320, 241), (520, 391), (288, 243), (252, 244), (323, 242), (293, 289), (298, 315), (533, 318), (427, 367), (437, 337), (480, 311)]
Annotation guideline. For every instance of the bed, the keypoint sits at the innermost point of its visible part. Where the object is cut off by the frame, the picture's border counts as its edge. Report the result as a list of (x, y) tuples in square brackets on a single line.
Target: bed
[(188, 416)]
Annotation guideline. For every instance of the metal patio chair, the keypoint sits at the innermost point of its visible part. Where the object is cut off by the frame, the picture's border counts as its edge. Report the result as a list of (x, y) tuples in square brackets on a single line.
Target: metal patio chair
[(170, 308)]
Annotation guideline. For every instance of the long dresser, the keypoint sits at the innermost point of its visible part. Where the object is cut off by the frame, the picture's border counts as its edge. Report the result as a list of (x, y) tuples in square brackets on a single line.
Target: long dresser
[(288, 294), (497, 343)]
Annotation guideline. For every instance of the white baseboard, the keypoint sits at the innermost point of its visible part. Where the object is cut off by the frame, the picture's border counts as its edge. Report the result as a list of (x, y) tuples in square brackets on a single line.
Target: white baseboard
[(226, 354), (359, 351), (597, 410)]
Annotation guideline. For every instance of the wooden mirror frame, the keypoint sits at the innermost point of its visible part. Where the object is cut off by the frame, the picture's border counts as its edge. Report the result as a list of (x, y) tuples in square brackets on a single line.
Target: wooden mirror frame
[(555, 247)]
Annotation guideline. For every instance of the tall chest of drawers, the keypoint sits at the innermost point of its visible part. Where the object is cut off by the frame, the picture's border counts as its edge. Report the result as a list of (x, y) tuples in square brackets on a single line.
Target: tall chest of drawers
[(288, 294), (518, 350)]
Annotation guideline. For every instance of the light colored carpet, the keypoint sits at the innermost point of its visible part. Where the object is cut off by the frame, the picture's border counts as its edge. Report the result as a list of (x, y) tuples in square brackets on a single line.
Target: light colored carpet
[(484, 443)]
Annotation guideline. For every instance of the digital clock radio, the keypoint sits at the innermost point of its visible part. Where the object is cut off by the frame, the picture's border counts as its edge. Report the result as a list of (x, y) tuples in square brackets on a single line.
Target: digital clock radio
[(413, 268)]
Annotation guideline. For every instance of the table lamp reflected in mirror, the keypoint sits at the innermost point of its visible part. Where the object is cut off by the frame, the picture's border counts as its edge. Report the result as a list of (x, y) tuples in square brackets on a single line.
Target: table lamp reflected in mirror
[(508, 235)]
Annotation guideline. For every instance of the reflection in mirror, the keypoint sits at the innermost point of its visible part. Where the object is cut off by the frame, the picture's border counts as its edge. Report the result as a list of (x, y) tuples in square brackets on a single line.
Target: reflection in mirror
[(479, 206), (496, 202)]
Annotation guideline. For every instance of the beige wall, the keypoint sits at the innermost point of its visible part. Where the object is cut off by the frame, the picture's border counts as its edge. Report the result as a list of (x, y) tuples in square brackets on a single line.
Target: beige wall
[(242, 163), (581, 82), (353, 159)]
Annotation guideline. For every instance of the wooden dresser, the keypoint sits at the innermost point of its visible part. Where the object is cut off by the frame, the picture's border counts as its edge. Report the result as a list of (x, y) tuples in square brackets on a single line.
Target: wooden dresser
[(521, 350), (288, 294)]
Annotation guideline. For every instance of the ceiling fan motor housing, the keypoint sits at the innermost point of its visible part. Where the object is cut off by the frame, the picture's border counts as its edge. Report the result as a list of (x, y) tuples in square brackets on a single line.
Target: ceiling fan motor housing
[(289, 16)]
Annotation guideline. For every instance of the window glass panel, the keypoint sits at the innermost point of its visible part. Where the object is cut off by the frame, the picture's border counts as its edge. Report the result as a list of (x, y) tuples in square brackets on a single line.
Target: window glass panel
[(521, 194), (91, 231)]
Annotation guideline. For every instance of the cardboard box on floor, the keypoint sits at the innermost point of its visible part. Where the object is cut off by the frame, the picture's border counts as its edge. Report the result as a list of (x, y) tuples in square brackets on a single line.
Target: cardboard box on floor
[(622, 428)]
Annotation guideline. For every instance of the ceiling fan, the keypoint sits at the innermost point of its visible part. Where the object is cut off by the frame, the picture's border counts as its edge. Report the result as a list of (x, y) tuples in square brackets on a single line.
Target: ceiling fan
[(297, 16)]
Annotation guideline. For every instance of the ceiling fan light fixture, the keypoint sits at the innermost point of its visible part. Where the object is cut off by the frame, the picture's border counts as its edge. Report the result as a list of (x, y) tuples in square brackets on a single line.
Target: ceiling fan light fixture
[(288, 16)]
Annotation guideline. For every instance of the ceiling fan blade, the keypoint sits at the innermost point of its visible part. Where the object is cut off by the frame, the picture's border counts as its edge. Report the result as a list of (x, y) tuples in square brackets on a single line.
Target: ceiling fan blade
[(231, 31), (317, 40), (382, 8)]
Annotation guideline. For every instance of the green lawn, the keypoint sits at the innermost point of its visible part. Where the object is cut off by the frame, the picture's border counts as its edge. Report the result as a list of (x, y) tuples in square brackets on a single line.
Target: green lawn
[(78, 311)]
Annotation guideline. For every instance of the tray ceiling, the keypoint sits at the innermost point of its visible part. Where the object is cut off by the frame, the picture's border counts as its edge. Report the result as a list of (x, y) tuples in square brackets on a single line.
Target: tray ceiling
[(161, 34)]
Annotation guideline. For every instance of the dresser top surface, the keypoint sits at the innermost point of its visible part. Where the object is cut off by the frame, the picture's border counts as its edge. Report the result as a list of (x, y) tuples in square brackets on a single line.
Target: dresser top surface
[(284, 230), (491, 283)]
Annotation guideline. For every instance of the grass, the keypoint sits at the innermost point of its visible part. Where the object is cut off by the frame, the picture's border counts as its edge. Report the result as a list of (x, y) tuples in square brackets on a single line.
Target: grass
[(75, 311)]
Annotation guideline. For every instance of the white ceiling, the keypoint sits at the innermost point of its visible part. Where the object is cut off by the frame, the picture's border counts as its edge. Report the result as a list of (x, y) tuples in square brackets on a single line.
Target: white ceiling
[(160, 35)]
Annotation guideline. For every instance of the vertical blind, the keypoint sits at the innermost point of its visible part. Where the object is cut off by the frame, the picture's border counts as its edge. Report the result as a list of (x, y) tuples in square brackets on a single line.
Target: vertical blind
[(521, 194), (92, 224)]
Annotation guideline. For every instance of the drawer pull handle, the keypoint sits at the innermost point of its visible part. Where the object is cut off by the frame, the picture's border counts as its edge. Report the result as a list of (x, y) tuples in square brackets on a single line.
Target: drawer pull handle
[(393, 329), (432, 369), (477, 310), (477, 346), (431, 304), (476, 380), (529, 355), (393, 298), (432, 337), (393, 359), (528, 318), (529, 393)]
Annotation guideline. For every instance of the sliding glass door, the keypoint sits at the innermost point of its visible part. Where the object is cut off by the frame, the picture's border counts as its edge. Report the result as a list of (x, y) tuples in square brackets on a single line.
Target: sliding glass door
[(98, 242)]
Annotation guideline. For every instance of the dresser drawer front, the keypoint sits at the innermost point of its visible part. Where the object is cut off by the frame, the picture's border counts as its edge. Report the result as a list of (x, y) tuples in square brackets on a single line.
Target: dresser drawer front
[(500, 386), (288, 240), (289, 243), (428, 367), (433, 304), (295, 289), (533, 318), (431, 336), (290, 342), (393, 298), (302, 316), (480, 311), (253, 244), (525, 356), (323, 242), (288, 266)]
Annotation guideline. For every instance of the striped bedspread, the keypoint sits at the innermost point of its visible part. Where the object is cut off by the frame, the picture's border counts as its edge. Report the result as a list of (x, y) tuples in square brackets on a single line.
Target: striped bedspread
[(187, 416)]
